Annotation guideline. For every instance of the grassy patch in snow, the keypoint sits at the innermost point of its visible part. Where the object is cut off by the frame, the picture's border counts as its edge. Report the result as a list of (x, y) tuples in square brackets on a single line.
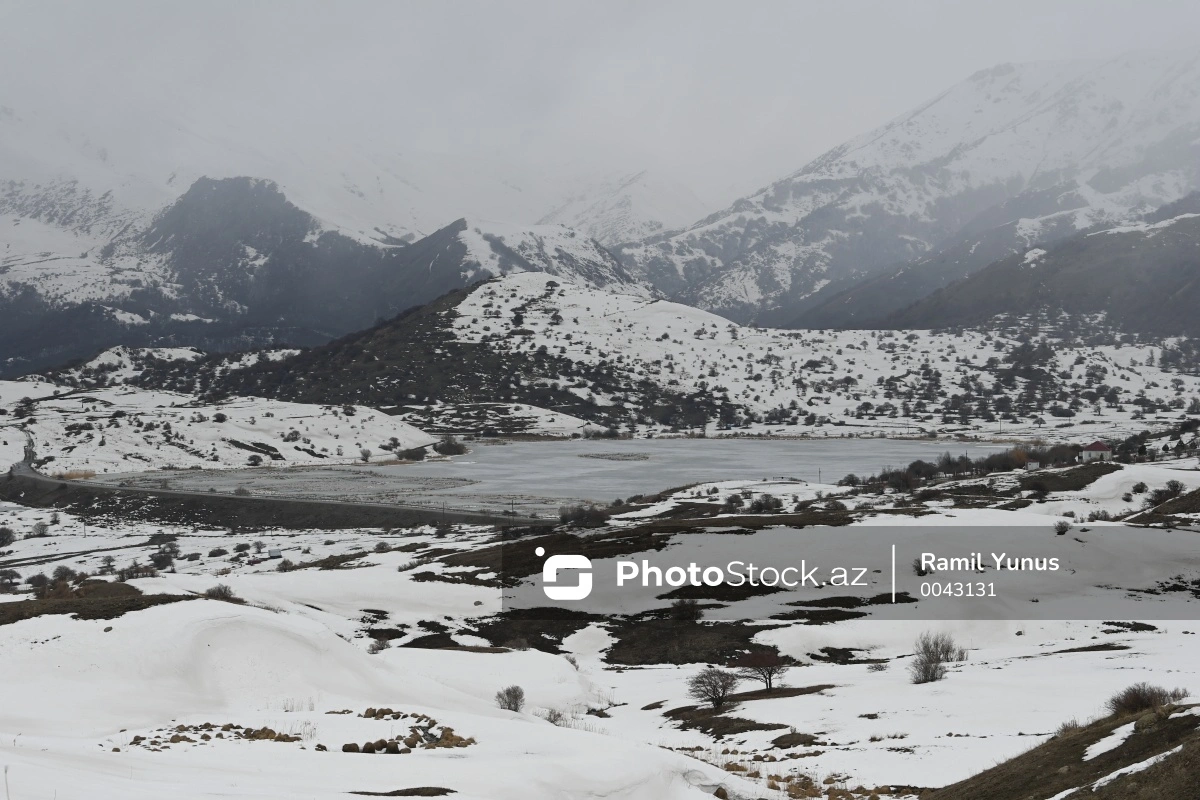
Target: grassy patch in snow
[(87, 607), (1058, 765)]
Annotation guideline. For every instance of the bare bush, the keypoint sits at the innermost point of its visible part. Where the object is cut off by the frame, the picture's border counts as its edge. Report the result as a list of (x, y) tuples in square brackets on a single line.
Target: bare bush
[(933, 652), (511, 698), (1142, 697), (686, 610), (378, 646), (712, 686), (1061, 527), (450, 446), (1069, 727), (585, 516), (556, 717), (222, 592)]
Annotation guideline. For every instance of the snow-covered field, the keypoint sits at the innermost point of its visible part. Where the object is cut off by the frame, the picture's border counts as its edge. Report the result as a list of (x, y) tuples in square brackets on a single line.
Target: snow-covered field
[(296, 654)]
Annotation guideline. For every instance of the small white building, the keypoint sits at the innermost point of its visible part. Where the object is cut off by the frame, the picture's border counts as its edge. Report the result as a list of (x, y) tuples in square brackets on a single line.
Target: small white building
[(1097, 451)]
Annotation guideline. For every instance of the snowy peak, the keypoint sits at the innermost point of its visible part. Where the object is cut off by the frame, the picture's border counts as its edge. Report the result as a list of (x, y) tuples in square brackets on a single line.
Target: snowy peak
[(1045, 148), (628, 207), (501, 249), (1033, 121)]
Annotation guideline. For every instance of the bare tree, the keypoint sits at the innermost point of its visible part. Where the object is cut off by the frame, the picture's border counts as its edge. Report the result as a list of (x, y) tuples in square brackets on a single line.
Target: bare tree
[(712, 686), (761, 665), (365, 455)]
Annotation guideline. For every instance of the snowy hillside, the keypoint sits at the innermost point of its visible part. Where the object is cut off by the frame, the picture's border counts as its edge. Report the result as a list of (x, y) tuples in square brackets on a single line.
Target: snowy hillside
[(826, 382), (1032, 150), (628, 207), (123, 429), (634, 363)]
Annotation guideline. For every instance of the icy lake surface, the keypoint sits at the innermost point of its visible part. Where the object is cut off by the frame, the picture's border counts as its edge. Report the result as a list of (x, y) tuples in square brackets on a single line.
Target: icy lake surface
[(538, 477)]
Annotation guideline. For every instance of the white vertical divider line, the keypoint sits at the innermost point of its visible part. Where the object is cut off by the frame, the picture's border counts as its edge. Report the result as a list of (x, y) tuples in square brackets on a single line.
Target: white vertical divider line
[(893, 573)]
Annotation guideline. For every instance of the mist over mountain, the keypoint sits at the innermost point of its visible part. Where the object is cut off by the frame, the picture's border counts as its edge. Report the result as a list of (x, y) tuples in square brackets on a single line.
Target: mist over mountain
[(1013, 155), (224, 240)]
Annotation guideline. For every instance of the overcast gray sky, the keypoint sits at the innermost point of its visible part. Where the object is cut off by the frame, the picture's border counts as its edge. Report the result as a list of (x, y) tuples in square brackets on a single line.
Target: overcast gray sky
[(729, 95)]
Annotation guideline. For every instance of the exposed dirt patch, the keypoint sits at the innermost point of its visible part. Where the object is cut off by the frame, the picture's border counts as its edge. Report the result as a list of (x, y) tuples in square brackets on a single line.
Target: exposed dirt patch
[(1069, 480), (723, 592), (715, 723), (819, 616), (538, 628), (417, 791), (662, 641), (1092, 648), (88, 607), (781, 691), (843, 655), (790, 740)]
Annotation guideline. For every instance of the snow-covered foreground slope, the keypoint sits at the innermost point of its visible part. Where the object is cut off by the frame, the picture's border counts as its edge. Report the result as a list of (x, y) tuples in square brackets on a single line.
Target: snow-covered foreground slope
[(826, 382), (122, 429), (1029, 151), (94, 704), (93, 686)]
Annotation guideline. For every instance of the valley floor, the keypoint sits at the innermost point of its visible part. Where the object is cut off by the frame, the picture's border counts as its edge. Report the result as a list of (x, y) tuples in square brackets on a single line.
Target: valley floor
[(130, 701)]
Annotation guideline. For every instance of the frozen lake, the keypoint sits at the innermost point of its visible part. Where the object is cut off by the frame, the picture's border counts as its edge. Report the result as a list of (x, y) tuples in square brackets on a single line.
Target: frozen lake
[(538, 477)]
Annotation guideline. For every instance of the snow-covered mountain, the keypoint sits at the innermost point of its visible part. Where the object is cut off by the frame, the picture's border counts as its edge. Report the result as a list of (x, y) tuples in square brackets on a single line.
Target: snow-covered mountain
[(1141, 276), (626, 208), (234, 263), (205, 232), (1029, 152)]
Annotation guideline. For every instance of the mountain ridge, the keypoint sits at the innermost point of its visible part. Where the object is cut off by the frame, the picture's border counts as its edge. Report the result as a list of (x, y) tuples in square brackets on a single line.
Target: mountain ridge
[(1002, 142)]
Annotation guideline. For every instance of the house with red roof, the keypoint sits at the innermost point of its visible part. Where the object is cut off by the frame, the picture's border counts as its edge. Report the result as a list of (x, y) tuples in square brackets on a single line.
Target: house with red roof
[(1097, 451)]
